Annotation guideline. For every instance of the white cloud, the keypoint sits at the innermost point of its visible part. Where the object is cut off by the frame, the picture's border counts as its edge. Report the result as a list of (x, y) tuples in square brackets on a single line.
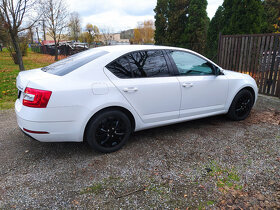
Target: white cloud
[(115, 20), (121, 14), (213, 6)]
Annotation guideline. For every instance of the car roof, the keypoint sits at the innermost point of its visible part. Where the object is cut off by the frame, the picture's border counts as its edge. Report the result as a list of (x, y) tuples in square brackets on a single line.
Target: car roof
[(129, 48), (123, 49)]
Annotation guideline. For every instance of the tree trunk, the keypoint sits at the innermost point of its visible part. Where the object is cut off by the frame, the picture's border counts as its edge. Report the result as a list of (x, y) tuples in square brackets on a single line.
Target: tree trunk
[(55, 51), (18, 52)]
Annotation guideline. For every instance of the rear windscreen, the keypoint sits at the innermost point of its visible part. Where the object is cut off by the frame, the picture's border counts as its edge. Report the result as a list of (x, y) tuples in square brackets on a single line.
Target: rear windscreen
[(73, 62)]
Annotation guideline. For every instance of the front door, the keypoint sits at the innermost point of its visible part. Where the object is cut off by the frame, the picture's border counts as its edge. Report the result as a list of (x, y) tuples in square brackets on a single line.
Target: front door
[(202, 91)]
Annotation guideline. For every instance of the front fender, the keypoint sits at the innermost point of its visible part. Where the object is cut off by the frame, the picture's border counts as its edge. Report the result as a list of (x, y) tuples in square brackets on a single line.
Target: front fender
[(237, 84)]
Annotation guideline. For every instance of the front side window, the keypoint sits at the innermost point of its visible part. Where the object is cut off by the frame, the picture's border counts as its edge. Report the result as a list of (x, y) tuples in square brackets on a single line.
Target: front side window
[(148, 64), (189, 64)]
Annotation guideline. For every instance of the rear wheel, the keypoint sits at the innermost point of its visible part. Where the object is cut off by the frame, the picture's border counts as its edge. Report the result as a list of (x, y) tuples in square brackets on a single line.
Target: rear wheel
[(241, 105), (108, 131)]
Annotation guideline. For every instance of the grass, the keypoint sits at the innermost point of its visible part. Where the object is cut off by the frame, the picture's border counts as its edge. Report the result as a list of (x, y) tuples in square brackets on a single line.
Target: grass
[(9, 72), (94, 188), (225, 177)]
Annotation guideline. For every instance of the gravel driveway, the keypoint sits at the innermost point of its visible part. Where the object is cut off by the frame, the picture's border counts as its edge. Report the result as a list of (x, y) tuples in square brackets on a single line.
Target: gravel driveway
[(205, 163)]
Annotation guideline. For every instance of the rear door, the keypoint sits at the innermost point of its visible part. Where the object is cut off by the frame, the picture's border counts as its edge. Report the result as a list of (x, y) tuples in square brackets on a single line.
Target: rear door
[(143, 77), (202, 91)]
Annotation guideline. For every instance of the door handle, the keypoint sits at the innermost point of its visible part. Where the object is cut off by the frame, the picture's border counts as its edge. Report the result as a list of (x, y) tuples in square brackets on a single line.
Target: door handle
[(186, 85), (130, 90)]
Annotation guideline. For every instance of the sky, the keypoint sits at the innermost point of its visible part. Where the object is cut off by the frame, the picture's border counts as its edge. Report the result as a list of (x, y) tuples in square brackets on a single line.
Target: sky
[(118, 15)]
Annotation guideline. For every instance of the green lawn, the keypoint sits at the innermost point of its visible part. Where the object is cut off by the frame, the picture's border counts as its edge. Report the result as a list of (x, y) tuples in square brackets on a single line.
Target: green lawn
[(9, 72)]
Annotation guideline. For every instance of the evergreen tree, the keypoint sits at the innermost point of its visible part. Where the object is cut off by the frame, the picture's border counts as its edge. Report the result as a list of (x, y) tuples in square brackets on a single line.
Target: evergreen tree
[(272, 16), (195, 33), (227, 12), (243, 16), (161, 21), (216, 26), (177, 19)]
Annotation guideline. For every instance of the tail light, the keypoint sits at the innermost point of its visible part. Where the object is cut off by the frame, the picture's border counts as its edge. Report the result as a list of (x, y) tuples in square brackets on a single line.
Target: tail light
[(36, 98)]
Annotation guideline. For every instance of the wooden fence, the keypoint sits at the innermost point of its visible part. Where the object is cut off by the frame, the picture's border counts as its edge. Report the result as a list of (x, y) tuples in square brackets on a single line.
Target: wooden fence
[(254, 54)]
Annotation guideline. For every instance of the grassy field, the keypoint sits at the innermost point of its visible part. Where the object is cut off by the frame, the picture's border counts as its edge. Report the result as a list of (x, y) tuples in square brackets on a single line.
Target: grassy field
[(9, 72)]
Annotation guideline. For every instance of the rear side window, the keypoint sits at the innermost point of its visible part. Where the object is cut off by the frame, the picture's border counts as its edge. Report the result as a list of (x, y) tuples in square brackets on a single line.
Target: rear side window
[(140, 64), (120, 68), (148, 64), (73, 62)]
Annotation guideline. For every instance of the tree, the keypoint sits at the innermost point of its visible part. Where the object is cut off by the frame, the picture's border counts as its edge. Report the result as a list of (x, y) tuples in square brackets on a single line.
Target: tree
[(93, 33), (96, 33), (90, 35), (144, 33), (161, 22), (170, 21), (272, 16), (107, 35), (74, 26), (3, 33), (55, 15), (14, 14), (177, 20), (195, 34), (216, 26), (83, 37), (243, 16)]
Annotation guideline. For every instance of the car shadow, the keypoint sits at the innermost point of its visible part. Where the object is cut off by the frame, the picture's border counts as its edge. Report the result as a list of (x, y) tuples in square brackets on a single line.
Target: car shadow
[(178, 127), (41, 150)]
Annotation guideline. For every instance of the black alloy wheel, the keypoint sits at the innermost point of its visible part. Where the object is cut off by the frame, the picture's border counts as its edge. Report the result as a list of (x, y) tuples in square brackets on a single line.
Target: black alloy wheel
[(241, 105), (108, 131)]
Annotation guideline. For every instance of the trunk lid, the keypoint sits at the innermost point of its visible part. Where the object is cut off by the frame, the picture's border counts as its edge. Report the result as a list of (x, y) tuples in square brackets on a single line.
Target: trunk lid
[(25, 77)]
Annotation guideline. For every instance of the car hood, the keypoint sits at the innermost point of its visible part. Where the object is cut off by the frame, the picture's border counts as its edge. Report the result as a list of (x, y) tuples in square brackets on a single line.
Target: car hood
[(233, 74)]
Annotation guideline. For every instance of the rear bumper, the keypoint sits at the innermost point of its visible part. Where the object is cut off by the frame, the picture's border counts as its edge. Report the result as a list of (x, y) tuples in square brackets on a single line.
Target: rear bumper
[(54, 129), (37, 120)]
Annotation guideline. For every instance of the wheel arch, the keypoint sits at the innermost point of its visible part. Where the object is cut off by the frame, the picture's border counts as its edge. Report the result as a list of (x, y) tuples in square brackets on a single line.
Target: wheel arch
[(237, 90), (122, 109), (251, 91)]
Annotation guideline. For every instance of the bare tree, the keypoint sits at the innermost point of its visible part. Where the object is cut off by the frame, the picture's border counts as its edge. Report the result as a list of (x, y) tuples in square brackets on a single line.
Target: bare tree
[(14, 14), (3, 33), (107, 35), (55, 14), (74, 26)]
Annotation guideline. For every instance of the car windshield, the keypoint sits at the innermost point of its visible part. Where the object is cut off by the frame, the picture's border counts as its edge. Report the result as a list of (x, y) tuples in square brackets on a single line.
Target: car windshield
[(73, 62)]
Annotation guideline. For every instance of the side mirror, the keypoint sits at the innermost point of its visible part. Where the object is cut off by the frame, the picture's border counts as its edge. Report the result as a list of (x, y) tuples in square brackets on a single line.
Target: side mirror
[(217, 71)]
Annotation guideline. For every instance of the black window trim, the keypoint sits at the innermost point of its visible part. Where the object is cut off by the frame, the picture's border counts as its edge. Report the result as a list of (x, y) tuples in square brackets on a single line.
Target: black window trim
[(175, 69), (165, 55)]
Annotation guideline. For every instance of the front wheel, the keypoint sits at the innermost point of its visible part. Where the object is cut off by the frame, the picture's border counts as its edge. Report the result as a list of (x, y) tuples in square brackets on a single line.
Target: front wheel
[(108, 131), (241, 105)]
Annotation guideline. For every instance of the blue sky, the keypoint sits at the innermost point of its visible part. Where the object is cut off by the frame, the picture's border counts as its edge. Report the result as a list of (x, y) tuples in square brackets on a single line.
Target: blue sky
[(120, 15)]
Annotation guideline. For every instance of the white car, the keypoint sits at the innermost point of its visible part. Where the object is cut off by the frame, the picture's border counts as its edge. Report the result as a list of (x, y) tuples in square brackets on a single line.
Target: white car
[(104, 94)]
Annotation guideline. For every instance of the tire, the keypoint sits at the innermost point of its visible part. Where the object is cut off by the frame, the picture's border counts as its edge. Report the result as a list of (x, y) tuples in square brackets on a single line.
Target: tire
[(108, 131), (241, 105)]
